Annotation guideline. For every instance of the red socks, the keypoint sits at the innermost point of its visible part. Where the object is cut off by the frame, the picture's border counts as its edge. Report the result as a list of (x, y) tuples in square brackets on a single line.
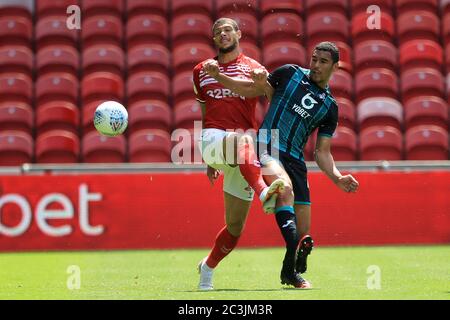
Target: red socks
[(225, 243), (250, 167)]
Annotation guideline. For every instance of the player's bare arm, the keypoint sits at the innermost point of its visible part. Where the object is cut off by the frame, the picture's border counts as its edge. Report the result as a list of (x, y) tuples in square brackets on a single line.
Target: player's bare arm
[(259, 77), (326, 163)]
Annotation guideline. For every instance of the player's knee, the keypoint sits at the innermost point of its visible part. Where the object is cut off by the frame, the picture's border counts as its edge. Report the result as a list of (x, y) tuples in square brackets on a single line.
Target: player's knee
[(246, 139), (286, 198), (235, 228)]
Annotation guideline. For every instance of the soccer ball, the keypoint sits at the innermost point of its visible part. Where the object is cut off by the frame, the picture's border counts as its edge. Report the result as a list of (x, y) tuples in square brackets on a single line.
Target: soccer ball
[(110, 118)]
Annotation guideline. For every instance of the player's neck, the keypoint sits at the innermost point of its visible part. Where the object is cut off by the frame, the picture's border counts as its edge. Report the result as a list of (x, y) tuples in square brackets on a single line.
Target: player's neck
[(229, 56)]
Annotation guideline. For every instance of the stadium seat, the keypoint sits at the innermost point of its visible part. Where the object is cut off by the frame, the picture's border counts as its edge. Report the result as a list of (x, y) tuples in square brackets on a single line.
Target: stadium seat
[(151, 145), (52, 7), (347, 113), (376, 82), (186, 113), (375, 54), (52, 30), (251, 50), (327, 26), (426, 143), (22, 8), (341, 84), (16, 59), (344, 145), (321, 6), (381, 143), (190, 28), (102, 85), (182, 87), (148, 85), (87, 114), (421, 53), (227, 7), (180, 7), (345, 54), (448, 87), (186, 57), (96, 148), (103, 57), (185, 148), (138, 7), (16, 30), (362, 5), (426, 110), (149, 114), (57, 115), (57, 58), (101, 29), (16, 116), (105, 7), (147, 29), (56, 86), (16, 87), (277, 54), (281, 27), (360, 31), (445, 7), (414, 5), (16, 148), (380, 111), (421, 82), (446, 28), (57, 146), (271, 6), (417, 25), (249, 26), (145, 58)]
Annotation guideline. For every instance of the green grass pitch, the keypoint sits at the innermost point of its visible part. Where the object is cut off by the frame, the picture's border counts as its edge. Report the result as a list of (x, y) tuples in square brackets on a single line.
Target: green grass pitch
[(409, 272)]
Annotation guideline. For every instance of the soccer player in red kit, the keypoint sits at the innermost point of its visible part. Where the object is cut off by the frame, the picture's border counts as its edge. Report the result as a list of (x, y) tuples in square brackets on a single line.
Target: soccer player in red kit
[(227, 151)]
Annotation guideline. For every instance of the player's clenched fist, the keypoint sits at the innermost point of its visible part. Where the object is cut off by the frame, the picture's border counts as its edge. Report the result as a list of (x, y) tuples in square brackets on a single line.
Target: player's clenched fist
[(211, 67), (259, 76)]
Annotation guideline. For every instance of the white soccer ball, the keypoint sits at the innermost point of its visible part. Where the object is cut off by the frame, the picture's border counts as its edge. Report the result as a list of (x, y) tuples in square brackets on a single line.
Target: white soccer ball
[(111, 118)]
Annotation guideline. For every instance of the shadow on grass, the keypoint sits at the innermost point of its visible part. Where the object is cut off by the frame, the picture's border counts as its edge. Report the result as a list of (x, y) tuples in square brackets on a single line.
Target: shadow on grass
[(249, 290)]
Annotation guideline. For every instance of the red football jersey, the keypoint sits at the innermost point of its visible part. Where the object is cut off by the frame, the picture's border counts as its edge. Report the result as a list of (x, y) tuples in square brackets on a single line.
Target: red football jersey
[(224, 108)]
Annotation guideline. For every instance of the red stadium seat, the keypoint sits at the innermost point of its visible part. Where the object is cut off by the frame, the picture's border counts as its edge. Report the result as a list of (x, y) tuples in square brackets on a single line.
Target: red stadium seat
[(185, 147), (446, 28), (16, 30), (271, 6), (148, 85), (16, 148), (409, 5), (426, 143), (186, 57), (52, 30), (380, 111), (445, 6), (106, 7), (344, 145), (145, 58), (381, 143), (180, 7), (152, 114), (101, 149), (103, 57), (147, 29), (347, 113), (87, 114), (57, 58), (281, 27), (345, 54), (248, 24), (360, 31), (57, 115), (57, 86), (421, 53), (102, 85), (182, 86), (327, 26), (102, 29), (16, 86), (321, 6), (227, 7), (376, 82), (150, 145), (417, 25), (185, 113), (375, 54), (448, 87), (16, 59), (20, 8), (421, 82), (426, 110), (363, 5), (52, 7), (251, 50), (57, 146), (277, 54), (16, 116), (190, 28), (341, 84), (137, 7)]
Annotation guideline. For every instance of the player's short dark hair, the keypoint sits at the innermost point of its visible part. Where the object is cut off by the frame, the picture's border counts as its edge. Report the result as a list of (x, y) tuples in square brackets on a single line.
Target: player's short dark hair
[(331, 48), (220, 21)]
